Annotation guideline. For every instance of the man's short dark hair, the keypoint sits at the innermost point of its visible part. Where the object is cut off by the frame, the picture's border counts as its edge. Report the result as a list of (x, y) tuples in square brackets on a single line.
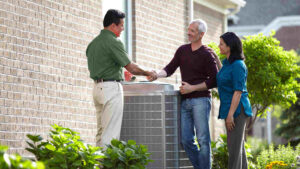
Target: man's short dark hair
[(113, 16)]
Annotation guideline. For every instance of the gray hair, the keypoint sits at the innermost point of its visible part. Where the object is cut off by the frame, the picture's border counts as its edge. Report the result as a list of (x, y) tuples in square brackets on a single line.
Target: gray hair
[(202, 26)]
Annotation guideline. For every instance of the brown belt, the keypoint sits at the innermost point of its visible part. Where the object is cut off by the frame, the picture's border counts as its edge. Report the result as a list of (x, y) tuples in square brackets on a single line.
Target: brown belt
[(106, 80)]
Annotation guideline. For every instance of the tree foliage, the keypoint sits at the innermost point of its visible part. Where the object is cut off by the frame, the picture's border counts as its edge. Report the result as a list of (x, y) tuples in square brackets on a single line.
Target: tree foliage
[(290, 126), (272, 72)]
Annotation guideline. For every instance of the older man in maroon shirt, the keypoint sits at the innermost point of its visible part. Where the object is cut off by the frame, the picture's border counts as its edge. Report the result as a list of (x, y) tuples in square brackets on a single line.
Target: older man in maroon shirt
[(198, 73)]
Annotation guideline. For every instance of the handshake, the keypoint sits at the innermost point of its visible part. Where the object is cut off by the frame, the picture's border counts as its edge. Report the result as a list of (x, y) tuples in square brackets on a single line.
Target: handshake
[(185, 87), (151, 76)]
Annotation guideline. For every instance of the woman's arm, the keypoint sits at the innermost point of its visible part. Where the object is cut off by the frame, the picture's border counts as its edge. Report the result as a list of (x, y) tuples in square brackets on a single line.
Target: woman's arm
[(234, 104)]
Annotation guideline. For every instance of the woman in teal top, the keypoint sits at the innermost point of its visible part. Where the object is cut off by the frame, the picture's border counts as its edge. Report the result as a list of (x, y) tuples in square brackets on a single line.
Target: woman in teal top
[(235, 106)]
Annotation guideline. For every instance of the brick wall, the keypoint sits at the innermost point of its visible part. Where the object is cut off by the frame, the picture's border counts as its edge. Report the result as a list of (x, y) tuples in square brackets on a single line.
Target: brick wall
[(214, 22), (43, 71), (159, 28)]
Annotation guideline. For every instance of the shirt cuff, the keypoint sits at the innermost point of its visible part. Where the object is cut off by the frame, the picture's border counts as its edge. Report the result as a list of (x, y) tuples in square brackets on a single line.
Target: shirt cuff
[(161, 74)]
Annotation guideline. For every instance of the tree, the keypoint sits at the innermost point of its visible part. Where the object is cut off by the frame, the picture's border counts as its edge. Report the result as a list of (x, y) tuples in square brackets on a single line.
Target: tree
[(290, 126), (272, 73)]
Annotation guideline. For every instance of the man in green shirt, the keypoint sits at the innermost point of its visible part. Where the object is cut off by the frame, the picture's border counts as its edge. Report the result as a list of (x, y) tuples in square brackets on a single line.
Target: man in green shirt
[(106, 57)]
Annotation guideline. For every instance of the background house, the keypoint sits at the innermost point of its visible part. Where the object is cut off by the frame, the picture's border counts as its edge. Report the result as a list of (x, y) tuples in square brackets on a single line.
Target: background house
[(282, 16), (43, 70)]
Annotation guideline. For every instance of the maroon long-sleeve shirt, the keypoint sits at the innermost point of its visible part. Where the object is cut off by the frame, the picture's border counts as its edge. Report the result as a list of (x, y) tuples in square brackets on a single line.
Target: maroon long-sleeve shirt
[(196, 67)]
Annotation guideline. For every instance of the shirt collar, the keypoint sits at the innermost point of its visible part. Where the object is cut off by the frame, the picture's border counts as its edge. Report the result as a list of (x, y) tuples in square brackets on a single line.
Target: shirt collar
[(105, 31), (225, 61)]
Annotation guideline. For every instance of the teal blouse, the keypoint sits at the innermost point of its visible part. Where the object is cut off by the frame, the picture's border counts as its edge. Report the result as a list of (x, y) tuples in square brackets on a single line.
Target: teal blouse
[(233, 77)]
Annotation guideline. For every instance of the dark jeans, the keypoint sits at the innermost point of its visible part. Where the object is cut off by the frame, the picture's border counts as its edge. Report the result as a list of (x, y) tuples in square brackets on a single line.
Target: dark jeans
[(195, 116)]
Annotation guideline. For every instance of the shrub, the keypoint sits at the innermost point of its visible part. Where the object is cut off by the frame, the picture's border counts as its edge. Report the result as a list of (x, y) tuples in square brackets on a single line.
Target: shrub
[(122, 155), (257, 146), (272, 157), (16, 161), (64, 151), (220, 153)]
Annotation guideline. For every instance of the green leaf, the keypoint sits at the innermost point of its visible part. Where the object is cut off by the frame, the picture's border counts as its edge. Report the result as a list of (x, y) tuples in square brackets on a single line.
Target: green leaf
[(40, 165), (30, 144), (34, 138), (107, 164), (131, 142), (30, 150), (6, 159), (77, 163), (115, 142), (128, 152), (50, 147)]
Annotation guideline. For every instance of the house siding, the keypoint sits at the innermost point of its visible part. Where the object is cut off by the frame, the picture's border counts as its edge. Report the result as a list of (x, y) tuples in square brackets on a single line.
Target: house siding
[(289, 37), (159, 28)]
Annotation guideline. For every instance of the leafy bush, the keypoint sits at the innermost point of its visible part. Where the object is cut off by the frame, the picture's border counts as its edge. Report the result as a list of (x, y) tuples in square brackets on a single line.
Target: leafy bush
[(270, 157), (122, 155), (16, 161), (64, 151), (250, 157), (289, 127), (272, 72), (257, 146), (220, 153)]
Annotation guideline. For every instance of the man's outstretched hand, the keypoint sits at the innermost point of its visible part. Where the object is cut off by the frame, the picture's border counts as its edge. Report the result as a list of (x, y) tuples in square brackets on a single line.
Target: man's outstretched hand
[(152, 76)]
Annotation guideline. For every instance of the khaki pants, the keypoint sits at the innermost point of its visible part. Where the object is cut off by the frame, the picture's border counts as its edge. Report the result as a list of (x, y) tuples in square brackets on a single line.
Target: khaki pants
[(108, 100)]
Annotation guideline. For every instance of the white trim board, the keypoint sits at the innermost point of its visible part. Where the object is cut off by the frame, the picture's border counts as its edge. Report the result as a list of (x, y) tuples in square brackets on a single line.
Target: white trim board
[(212, 6), (246, 30), (241, 3), (222, 6), (276, 24), (282, 21)]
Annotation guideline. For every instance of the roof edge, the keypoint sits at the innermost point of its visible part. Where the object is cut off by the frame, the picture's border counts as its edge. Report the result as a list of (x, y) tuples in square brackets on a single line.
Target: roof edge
[(279, 22), (222, 6), (240, 3), (275, 25), (246, 30)]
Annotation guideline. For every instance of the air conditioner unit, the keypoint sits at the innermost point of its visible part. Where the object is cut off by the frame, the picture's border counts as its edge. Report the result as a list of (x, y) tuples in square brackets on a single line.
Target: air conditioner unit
[(151, 117)]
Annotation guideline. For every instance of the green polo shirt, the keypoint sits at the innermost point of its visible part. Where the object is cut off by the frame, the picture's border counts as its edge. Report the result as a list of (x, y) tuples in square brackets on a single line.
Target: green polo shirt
[(106, 56)]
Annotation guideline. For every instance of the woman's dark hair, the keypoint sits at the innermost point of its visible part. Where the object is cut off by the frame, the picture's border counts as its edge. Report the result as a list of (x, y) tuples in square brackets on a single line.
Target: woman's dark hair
[(113, 16), (235, 45)]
